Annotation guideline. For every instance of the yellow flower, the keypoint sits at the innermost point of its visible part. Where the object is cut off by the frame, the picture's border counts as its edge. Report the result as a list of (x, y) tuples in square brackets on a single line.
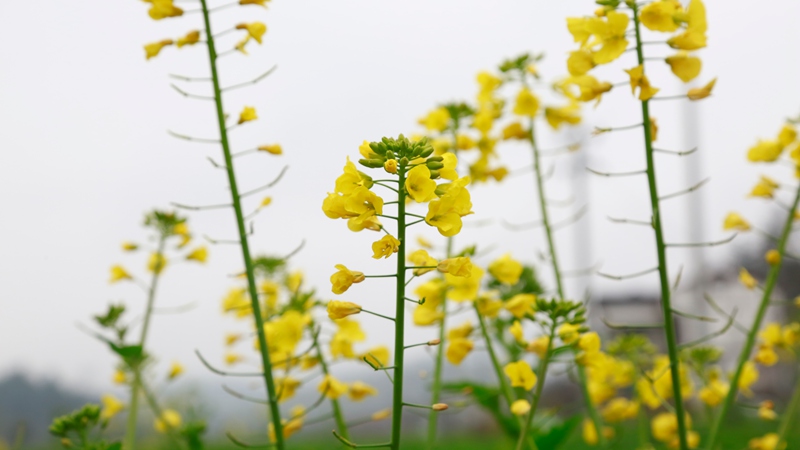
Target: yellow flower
[(702, 92), (660, 16), (520, 407), (515, 131), (766, 410), (639, 80), (619, 409), (175, 370), (445, 213), (169, 420), (436, 120), (653, 128), (129, 246), (119, 377), (255, 30), (791, 334), (450, 162), (610, 33), (422, 258), (254, 2), (458, 349), (589, 432), (237, 302), (539, 346), (664, 426), (457, 267), (161, 9), (684, 66), (748, 377), (772, 257), (506, 269), (787, 135), (348, 333), (765, 187), (487, 306), (111, 407), (464, 288), (286, 387), (589, 342), (516, 331), (526, 103), (714, 392), (156, 263), (191, 38), (272, 149), (565, 114), (580, 62), (247, 114), (695, 35), (153, 49), (419, 184), (344, 278), (589, 88), (331, 387), (378, 356), (464, 142), (358, 391), (424, 243), (765, 151), (118, 273), (487, 83), (200, 254), (769, 441), (232, 358), (569, 333), (266, 202), (520, 374), (390, 166), (733, 221), (381, 415), (521, 304), (385, 247), (766, 355), (339, 309), (746, 279)]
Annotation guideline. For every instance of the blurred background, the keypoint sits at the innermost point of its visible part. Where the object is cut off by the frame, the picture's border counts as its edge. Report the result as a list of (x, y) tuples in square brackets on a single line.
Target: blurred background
[(83, 126)]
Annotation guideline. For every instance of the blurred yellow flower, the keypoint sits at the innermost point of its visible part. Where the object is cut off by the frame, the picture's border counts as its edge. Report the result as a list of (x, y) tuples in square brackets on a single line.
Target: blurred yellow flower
[(520, 407), (359, 390), (248, 113), (153, 49), (168, 420), (156, 263), (639, 80), (339, 309), (436, 120), (111, 406), (191, 38), (526, 104), (118, 273), (332, 387), (520, 374), (684, 66), (273, 149), (457, 267), (255, 30), (200, 254), (701, 92), (733, 221), (175, 370)]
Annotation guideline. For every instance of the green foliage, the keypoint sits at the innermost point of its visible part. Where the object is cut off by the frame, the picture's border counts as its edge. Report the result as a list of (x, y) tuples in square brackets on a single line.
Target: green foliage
[(74, 429)]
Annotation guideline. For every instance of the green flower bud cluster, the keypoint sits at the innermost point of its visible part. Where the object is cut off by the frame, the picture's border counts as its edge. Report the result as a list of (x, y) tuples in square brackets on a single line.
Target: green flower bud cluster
[(401, 149), (75, 427), (164, 221), (563, 311)]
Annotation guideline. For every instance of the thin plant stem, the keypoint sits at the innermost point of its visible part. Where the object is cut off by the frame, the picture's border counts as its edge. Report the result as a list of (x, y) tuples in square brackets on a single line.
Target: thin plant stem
[(789, 416), (747, 348), (542, 373), (157, 411), (505, 389), (129, 442), (400, 309), (337, 410), (590, 408), (666, 305), (274, 410), (436, 386)]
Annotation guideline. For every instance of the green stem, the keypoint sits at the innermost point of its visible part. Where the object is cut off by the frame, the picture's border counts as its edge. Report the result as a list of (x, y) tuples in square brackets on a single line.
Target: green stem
[(436, 387), (505, 389), (789, 416), (129, 443), (337, 410), (274, 410), (744, 356), (666, 306), (590, 408), (400, 316), (542, 373)]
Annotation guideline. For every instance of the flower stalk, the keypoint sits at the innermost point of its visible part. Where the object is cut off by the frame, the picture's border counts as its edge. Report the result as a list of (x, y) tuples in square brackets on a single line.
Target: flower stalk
[(274, 410), (544, 362), (400, 308), (436, 386), (666, 305), (747, 348), (335, 406), (129, 442)]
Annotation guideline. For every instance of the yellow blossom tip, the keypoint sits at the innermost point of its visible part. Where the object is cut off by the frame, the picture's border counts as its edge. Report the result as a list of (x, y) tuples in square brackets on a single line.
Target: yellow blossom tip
[(439, 406)]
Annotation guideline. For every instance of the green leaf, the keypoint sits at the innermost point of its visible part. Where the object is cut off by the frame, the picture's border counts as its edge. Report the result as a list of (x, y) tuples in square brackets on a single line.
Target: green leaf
[(553, 437)]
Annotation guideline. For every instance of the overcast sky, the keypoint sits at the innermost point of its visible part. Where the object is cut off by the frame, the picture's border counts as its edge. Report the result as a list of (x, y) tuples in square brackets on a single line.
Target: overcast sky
[(83, 120)]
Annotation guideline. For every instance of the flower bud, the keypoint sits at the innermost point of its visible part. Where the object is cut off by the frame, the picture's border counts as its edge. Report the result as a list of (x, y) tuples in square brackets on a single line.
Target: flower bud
[(434, 165), (433, 342), (439, 406), (390, 165), (435, 159)]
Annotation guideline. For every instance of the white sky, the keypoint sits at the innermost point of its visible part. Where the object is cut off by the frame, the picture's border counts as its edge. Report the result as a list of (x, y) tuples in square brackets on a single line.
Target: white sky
[(83, 122)]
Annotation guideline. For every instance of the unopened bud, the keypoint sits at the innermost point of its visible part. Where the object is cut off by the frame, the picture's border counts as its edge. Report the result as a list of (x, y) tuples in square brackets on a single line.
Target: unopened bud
[(427, 152), (390, 165), (434, 174), (435, 165), (435, 159), (439, 406), (433, 342)]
